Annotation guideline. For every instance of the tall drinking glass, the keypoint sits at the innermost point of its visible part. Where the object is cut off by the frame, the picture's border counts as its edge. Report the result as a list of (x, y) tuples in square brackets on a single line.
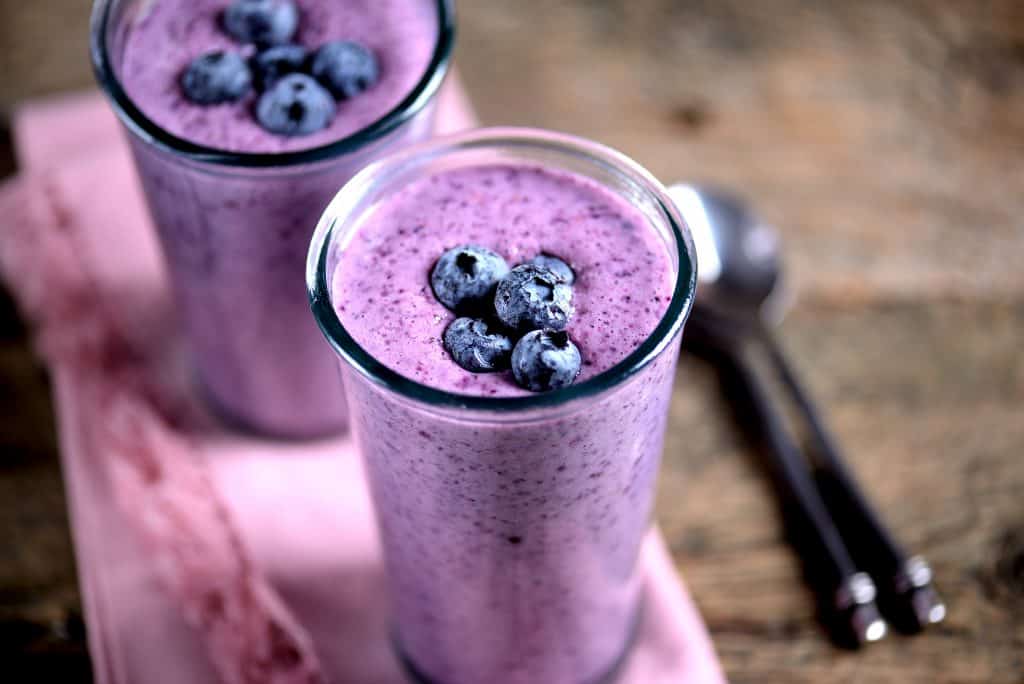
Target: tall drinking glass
[(235, 227), (511, 526)]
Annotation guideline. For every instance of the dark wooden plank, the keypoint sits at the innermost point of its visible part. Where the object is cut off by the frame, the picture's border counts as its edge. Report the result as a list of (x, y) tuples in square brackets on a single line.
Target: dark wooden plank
[(927, 401), (882, 137)]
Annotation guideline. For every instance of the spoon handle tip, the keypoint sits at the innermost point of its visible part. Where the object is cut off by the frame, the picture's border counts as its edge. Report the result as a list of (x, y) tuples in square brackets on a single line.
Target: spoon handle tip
[(905, 581)]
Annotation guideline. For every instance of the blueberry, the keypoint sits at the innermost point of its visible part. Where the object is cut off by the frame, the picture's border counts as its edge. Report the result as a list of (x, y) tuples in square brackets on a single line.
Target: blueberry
[(464, 277), (264, 22), (560, 267), (475, 347), (296, 105), (532, 297), (216, 77), (345, 68), (545, 360), (269, 65)]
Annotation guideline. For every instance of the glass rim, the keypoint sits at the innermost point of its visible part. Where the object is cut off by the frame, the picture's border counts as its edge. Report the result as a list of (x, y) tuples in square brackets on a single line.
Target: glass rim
[(671, 323), (148, 130)]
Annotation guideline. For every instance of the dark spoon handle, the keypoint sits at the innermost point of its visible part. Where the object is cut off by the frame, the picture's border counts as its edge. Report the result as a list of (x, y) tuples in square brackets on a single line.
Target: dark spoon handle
[(850, 593), (904, 581)]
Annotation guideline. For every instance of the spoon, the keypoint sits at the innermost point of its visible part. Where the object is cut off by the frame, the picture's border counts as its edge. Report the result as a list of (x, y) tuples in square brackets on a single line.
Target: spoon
[(741, 296)]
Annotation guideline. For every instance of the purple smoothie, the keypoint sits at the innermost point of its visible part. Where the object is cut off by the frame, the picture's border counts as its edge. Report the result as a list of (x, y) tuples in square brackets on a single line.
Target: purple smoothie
[(511, 540), (170, 33), (234, 230), (623, 278)]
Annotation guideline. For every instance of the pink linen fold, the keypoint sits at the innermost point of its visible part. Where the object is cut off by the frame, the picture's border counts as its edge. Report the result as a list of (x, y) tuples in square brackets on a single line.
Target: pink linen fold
[(206, 556)]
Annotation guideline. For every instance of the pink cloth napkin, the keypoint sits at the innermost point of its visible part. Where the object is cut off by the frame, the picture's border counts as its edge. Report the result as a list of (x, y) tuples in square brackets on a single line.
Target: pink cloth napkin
[(205, 556)]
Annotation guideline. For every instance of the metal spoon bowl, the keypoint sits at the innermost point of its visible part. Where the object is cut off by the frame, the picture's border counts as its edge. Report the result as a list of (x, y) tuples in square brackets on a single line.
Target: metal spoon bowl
[(740, 271)]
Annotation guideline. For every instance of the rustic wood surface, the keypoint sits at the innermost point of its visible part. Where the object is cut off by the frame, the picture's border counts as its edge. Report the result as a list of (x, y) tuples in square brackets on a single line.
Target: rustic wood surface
[(885, 139)]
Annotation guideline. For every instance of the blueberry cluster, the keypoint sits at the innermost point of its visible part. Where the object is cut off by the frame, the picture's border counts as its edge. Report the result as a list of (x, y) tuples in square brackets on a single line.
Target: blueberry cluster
[(509, 318), (298, 88)]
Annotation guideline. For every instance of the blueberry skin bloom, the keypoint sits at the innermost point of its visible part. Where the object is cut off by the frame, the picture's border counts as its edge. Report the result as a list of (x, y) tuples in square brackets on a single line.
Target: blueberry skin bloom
[(296, 105), (560, 268), (545, 360), (473, 346), (215, 78), (463, 279), (532, 297), (263, 22), (270, 65), (345, 68)]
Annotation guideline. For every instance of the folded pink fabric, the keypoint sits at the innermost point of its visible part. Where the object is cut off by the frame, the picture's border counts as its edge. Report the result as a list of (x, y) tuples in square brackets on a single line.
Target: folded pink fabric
[(205, 556)]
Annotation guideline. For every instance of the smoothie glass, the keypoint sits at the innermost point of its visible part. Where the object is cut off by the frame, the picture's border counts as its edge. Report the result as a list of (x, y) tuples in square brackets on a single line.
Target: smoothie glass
[(511, 526), (235, 227)]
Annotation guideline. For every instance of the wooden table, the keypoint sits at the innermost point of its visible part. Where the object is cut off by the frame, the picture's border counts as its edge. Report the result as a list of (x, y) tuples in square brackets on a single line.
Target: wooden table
[(886, 142)]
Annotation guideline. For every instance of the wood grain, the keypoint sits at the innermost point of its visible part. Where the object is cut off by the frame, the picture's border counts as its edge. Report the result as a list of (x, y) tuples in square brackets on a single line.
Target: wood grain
[(885, 139), (932, 424)]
